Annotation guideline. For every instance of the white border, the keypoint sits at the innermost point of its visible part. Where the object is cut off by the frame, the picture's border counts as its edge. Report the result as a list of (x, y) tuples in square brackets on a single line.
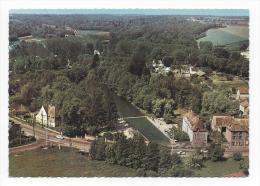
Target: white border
[(252, 5)]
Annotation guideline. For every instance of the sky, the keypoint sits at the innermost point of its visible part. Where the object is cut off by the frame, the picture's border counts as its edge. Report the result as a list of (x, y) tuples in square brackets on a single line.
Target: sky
[(211, 12)]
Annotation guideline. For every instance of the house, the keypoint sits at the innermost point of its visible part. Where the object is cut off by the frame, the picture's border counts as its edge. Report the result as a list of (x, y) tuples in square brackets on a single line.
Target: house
[(50, 118), (195, 129), (244, 108), (196, 71), (234, 129), (42, 116), (242, 92)]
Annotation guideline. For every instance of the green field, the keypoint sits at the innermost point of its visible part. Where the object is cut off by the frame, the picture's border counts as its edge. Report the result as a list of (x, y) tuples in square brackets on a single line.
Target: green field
[(147, 129), (220, 169), (227, 35), (62, 163)]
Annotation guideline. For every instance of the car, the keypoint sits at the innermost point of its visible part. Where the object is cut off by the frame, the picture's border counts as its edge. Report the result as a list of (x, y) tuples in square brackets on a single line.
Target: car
[(60, 137), (181, 152)]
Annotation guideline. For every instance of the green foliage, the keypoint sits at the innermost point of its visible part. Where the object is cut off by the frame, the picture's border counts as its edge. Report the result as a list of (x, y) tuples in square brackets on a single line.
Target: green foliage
[(178, 134), (237, 156), (216, 152), (217, 102), (206, 46), (195, 161)]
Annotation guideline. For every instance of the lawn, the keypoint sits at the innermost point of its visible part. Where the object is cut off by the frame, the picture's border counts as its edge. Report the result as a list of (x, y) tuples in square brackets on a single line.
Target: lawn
[(220, 169), (62, 163), (147, 129)]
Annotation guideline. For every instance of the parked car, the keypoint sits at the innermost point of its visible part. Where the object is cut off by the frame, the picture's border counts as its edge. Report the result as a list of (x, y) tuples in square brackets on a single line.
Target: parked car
[(60, 137), (181, 152)]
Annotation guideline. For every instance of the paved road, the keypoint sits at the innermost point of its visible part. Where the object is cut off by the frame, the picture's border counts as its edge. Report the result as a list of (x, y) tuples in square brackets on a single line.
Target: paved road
[(41, 133)]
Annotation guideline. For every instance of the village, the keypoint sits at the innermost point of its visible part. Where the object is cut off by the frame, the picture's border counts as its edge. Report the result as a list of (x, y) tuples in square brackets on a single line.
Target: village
[(109, 91)]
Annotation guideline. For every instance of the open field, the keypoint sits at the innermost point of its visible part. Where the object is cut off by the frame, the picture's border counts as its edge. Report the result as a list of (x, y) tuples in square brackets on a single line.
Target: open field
[(241, 31), (147, 129), (61, 163), (220, 169), (227, 35), (93, 32)]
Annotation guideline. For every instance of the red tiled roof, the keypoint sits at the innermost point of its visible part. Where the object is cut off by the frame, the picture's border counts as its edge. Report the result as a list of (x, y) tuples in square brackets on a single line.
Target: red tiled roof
[(243, 90), (232, 123), (195, 121)]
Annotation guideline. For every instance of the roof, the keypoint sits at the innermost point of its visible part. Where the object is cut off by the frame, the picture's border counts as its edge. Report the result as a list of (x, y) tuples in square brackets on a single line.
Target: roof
[(232, 123), (243, 90), (244, 103), (239, 125), (195, 121), (222, 120)]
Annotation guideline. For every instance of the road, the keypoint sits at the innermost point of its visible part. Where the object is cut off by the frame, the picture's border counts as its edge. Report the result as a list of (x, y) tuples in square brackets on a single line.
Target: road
[(42, 134)]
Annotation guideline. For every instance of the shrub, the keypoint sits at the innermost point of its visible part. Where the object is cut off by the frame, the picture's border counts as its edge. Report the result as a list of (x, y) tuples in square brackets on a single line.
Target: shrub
[(237, 156)]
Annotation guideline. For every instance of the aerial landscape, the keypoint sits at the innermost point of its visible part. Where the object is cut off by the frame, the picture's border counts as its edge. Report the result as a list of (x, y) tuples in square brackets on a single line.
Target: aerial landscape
[(128, 94)]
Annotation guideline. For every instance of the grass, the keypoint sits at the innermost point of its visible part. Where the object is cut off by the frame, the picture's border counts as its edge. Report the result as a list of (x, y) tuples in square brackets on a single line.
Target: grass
[(220, 169), (147, 129), (66, 162), (224, 36)]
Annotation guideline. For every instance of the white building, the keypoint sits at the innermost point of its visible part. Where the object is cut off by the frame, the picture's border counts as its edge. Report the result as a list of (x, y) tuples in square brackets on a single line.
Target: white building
[(194, 127), (50, 118), (42, 116)]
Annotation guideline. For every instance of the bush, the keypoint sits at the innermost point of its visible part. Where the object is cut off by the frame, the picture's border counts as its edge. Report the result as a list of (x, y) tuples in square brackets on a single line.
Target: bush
[(237, 156), (216, 152)]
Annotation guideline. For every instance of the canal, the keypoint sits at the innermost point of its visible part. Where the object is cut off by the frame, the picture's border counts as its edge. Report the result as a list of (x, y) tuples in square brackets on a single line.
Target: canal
[(142, 124)]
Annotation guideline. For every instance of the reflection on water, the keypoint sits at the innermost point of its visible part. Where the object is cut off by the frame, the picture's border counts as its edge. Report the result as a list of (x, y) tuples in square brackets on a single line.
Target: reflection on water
[(125, 108)]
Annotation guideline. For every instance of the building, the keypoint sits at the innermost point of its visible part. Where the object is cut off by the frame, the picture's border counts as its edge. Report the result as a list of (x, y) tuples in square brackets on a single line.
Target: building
[(50, 118), (234, 129), (244, 108), (242, 93), (196, 71), (195, 129), (42, 116)]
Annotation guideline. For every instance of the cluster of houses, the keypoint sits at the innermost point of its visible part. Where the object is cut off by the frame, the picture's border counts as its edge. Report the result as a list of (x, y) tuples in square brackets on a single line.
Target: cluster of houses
[(182, 71), (234, 129)]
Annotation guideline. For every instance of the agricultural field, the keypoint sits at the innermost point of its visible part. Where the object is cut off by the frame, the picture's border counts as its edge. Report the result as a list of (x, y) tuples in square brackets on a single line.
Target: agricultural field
[(93, 32), (227, 35), (60, 163), (147, 129)]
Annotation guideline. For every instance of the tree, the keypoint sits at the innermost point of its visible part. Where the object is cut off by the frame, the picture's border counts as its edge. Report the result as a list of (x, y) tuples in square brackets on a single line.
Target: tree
[(206, 46), (97, 150), (169, 108), (221, 53), (123, 47), (152, 157), (167, 61), (237, 156), (165, 161), (137, 63), (76, 73), (158, 107), (147, 103), (216, 152)]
